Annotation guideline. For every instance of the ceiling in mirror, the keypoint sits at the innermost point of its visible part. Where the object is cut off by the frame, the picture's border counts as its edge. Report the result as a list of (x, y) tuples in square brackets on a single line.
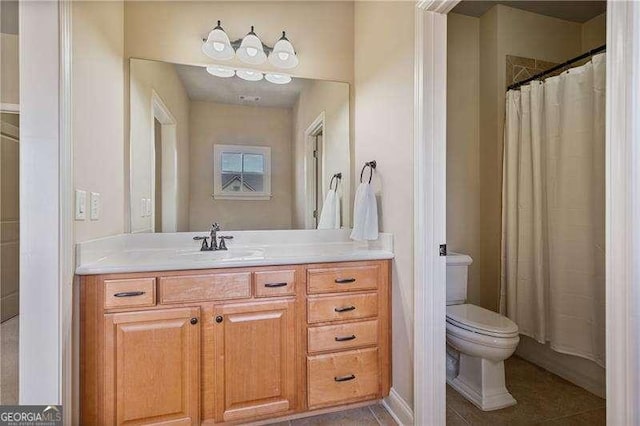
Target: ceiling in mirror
[(202, 86), (246, 154)]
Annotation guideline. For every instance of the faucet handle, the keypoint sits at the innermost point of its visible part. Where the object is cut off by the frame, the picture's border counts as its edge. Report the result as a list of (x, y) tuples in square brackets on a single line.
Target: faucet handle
[(215, 226), (205, 244), (223, 244)]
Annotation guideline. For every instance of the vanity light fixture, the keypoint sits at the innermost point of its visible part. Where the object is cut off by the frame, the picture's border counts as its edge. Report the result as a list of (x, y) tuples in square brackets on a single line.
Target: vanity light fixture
[(221, 71), (249, 75), (217, 45), (251, 50), (283, 54), (277, 78)]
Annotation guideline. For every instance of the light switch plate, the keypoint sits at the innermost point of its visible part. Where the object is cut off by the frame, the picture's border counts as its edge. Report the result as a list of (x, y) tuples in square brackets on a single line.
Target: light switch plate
[(95, 206), (81, 204)]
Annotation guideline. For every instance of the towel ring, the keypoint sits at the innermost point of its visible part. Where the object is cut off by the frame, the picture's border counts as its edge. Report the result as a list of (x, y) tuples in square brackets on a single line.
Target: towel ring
[(372, 166), (337, 177)]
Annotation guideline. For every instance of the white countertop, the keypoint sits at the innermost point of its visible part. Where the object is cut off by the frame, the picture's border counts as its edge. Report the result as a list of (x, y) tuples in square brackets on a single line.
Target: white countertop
[(178, 251)]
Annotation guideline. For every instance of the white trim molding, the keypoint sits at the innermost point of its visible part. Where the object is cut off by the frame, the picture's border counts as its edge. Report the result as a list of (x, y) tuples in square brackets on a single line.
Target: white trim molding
[(67, 225), (398, 408), (623, 213), (9, 108), (430, 147), (309, 169)]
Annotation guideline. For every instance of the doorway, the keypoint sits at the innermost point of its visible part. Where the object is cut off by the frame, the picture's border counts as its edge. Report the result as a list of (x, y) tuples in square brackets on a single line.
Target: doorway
[(164, 165), (314, 166), (9, 255)]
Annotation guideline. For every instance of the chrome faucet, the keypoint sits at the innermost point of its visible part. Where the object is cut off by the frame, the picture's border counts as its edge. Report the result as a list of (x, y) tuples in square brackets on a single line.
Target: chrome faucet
[(213, 235), (213, 232)]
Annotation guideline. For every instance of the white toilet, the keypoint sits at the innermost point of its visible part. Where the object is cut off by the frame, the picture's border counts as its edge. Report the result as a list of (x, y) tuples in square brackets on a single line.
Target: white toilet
[(478, 340)]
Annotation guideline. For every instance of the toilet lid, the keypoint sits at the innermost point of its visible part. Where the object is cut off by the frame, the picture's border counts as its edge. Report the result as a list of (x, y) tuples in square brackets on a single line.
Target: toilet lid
[(481, 320)]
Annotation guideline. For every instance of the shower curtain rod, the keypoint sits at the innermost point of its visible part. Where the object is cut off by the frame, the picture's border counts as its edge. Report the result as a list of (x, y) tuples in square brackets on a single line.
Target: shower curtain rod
[(559, 66)]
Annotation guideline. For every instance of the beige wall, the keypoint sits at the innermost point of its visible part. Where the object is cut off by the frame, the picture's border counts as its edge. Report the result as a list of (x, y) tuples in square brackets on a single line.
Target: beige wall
[(9, 82), (322, 32), (463, 143), (98, 121), (332, 98), (147, 77), (384, 75), (212, 123), (594, 32)]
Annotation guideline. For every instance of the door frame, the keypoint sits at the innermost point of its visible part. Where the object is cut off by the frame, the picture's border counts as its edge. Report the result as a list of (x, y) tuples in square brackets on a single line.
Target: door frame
[(623, 211), (46, 350), (169, 172), (622, 204), (309, 180)]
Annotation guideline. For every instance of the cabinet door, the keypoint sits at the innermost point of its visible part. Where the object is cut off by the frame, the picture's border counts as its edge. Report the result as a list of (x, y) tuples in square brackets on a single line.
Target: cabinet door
[(255, 365), (152, 367)]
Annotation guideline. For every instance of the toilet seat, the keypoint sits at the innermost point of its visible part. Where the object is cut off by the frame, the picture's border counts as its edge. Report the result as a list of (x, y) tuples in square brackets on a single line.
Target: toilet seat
[(481, 321)]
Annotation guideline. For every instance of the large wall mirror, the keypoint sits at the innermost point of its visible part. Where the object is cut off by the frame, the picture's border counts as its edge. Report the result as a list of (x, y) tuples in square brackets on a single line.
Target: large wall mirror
[(249, 155)]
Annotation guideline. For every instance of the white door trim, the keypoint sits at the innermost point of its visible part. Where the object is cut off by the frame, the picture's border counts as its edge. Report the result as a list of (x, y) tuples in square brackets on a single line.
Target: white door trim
[(169, 172), (623, 213), (309, 178), (46, 191), (430, 148)]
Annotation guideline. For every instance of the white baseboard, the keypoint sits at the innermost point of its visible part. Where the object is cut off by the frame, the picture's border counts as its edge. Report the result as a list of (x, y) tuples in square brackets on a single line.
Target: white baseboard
[(398, 408)]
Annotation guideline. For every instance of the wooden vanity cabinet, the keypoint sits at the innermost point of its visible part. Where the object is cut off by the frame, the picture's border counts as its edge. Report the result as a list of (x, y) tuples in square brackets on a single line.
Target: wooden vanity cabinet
[(231, 346), (138, 349), (255, 366)]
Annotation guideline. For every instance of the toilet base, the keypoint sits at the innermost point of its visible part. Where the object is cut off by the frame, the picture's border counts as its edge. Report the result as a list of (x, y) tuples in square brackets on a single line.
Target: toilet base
[(481, 381)]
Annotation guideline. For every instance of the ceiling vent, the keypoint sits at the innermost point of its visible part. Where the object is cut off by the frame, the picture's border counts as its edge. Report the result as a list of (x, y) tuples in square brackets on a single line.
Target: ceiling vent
[(247, 98)]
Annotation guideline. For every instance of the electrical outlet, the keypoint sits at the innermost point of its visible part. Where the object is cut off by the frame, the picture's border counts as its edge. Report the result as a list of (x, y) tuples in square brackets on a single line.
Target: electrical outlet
[(95, 204), (81, 204)]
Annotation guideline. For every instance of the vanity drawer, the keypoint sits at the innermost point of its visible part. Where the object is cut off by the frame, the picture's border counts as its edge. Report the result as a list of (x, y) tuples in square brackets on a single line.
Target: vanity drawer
[(275, 283), (342, 336), (201, 288), (337, 308), (343, 377), (129, 293), (339, 279)]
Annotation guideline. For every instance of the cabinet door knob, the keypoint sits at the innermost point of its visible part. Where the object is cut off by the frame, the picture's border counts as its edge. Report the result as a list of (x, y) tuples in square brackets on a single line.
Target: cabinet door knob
[(194, 321), (219, 319)]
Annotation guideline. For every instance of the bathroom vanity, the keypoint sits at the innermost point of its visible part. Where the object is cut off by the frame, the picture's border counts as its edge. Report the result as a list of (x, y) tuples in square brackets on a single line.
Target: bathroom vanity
[(272, 336)]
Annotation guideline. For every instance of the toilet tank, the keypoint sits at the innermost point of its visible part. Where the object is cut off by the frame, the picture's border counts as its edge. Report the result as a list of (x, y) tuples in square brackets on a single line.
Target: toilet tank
[(457, 275)]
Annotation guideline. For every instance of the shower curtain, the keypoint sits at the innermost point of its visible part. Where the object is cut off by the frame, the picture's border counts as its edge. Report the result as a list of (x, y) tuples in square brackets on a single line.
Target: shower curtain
[(553, 207)]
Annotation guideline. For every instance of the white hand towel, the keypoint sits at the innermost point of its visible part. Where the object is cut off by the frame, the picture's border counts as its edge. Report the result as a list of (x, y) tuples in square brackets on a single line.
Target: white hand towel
[(365, 214), (330, 216)]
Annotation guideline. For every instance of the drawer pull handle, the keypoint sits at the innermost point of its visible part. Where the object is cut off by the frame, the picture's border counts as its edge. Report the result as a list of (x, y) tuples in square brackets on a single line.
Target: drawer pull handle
[(345, 309), (273, 285), (345, 338), (129, 294), (345, 280), (344, 378)]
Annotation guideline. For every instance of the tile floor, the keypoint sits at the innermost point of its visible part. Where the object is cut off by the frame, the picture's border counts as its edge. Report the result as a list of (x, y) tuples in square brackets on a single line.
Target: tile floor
[(9, 361), (543, 399), (373, 415)]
